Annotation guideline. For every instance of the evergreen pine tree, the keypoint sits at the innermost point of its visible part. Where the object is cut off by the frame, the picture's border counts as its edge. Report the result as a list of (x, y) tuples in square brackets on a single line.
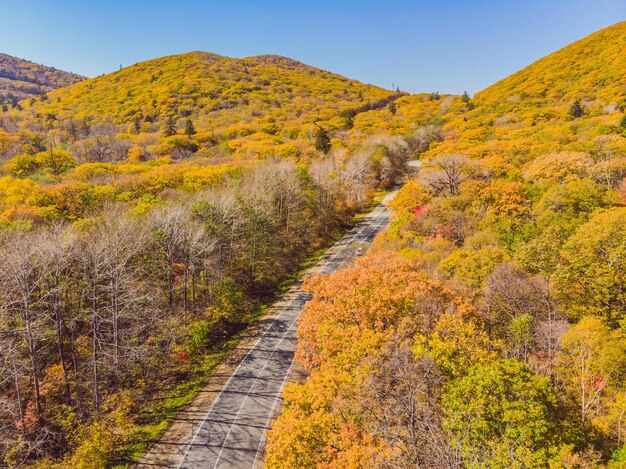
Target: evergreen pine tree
[(169, 127), (322, 140), (348, 118), (190, 130), (576, 110)]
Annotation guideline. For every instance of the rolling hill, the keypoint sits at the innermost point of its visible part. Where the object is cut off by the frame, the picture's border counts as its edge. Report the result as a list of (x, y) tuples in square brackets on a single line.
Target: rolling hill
[(591, 69), (225, 95), (532, 111), (21, 79), (195, 106)]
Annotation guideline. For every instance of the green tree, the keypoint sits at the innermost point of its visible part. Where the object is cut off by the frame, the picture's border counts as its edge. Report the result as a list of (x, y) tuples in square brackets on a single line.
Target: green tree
[(136, 125), (190, 130), (501, 415), (322, 140), (55, 161), (576, 110), (21, 165), (473, 267), (392, 107), (456, 345), (348, 118), (169, 126)]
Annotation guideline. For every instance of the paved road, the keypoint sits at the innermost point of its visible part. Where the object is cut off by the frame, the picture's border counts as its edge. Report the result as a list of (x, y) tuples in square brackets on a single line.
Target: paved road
[(231, 434)]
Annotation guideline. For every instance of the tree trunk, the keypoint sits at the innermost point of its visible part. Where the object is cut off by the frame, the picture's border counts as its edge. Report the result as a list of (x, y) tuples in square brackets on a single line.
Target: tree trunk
[(32, 352)]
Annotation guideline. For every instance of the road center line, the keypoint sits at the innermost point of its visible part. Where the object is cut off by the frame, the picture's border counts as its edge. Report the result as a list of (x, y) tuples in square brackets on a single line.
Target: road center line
[(219, 394), (277, 398), (250, 390), (372, 216)]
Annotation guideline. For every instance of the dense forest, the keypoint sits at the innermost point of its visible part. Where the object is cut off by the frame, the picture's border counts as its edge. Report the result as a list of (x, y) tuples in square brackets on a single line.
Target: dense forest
[(134, 256), (147, 216), (486, 328)]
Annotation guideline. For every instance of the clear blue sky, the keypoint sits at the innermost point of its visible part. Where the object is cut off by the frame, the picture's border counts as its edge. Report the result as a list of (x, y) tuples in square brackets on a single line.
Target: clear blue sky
[(444, 45)]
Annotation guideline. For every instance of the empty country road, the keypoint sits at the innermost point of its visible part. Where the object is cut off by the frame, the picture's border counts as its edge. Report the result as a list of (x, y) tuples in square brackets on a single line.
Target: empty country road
[(230, 432)]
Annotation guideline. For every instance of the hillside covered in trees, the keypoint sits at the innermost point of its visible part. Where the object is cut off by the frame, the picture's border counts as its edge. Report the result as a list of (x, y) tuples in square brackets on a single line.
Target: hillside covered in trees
[(139, 239), (20, 79), (257, 106), (148, 215), (168, 124), (487, 327)]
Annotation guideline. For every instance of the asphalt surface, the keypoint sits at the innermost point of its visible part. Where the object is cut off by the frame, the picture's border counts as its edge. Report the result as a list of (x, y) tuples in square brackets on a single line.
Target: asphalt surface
[(232, 432)]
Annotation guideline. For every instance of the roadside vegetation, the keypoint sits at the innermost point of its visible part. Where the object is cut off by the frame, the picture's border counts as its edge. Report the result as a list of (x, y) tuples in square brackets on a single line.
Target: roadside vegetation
[(487, 326), (132, 260), (147, 215)]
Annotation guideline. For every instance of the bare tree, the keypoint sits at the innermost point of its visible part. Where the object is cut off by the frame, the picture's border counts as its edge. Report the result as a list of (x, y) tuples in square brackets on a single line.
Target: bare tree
[(419, 141), (220, 213), (389, 155), (181, 239), (55, 251), (22, 284), (445, 174), (323, 172), (510, 295), (358, 176), (401, 408)]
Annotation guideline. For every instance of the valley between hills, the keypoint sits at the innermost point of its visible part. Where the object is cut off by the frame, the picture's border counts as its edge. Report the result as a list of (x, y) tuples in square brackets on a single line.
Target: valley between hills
[(178, 236)]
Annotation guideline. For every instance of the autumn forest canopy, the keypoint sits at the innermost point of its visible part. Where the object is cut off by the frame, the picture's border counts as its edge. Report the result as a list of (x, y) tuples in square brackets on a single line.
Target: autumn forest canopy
[(150, 215)]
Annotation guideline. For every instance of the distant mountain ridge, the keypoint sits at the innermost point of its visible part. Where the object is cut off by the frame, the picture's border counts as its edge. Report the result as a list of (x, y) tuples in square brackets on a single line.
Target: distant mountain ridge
[(266, 93), (21, 79)]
